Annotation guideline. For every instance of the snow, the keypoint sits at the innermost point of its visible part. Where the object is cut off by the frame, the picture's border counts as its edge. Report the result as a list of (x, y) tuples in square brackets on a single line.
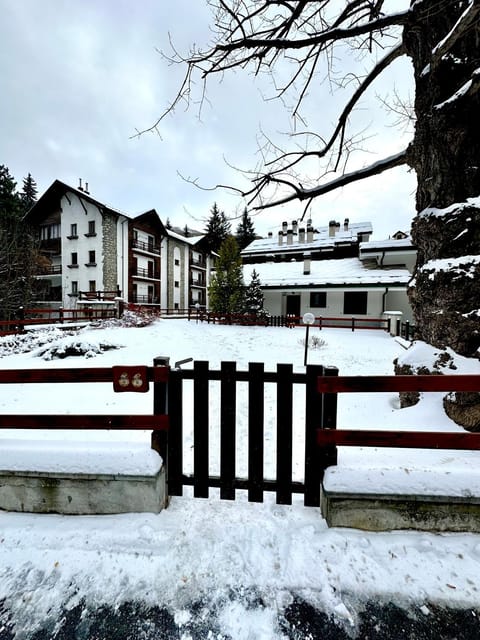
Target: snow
[(323, 272), (465, 266), (219, 552), (456, 206)]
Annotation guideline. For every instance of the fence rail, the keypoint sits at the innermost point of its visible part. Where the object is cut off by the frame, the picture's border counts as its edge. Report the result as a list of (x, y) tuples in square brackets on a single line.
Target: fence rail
[(36, 316), (328, 437)]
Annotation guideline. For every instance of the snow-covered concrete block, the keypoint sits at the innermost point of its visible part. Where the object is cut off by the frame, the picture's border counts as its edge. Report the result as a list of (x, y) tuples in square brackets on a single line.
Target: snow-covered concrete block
[(87, 494), (78, 477), (391, 499)]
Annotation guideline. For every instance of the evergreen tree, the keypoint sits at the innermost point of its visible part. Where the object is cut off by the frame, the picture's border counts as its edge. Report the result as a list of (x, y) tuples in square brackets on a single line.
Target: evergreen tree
[(18, 250), (217, 229), (245, 231), (10, 203), (227, 289), (28, 196), (254, 296)]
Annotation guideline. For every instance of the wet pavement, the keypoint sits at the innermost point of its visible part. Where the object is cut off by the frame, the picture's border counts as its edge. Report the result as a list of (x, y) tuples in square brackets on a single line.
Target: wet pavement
[(299, 621)]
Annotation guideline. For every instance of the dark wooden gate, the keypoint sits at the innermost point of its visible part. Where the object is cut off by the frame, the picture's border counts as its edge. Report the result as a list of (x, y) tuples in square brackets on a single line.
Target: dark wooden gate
[(319, 409)]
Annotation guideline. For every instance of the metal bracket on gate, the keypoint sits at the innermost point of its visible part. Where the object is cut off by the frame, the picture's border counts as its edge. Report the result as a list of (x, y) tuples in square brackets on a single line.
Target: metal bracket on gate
[(130, 379), (180, 362)]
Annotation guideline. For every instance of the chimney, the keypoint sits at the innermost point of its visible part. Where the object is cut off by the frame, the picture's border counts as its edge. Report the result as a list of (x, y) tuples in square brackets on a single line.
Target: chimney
[(309, 233), (86, 188), (301, 235), (345, 224), (280, 238), (294, 227), (289, 236), (269, 234), (80, 188), (306, 263), (332, 227)]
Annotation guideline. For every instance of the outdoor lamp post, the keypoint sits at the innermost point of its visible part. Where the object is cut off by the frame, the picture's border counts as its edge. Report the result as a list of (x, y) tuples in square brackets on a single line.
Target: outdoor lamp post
[(308, 319), (197, 307)]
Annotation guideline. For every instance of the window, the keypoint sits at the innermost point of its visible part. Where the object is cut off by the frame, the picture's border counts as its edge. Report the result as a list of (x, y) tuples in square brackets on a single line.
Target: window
[(73, 230), (91, 228), (73, 260), (91, 257), (355, 302), (74, 287), (318, 299), (49, 231), (177, 262), (150, 243), (92, 286), (176, 284)]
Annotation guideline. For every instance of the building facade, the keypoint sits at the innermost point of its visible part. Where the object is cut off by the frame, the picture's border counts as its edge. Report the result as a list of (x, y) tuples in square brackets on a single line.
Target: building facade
[(95, 254)]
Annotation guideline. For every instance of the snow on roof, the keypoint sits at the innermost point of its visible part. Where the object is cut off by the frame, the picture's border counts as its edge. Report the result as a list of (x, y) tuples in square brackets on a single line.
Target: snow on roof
[(321, 239), (188, 240), (390, 243), (348, 271)]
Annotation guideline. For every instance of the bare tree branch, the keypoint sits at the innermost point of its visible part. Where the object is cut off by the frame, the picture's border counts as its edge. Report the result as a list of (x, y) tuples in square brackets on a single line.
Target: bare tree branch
[(304, 194)]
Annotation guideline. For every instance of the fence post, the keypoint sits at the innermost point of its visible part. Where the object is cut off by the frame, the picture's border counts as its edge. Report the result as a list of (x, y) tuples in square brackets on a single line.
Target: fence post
[(353, 324), (159, 439), (407, 330), (313, 413), (399, 327), (328, 455)]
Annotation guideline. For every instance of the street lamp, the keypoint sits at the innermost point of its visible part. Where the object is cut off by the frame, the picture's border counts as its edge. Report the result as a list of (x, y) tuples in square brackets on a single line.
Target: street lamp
[(308, 319), (197, 307)]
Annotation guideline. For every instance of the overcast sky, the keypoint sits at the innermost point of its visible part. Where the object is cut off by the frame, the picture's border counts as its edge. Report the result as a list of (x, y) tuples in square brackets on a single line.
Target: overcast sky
[(79, 78)]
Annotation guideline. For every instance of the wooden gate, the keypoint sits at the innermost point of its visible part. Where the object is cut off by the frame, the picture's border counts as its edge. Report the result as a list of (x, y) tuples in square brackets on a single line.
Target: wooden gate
[(320, 409)]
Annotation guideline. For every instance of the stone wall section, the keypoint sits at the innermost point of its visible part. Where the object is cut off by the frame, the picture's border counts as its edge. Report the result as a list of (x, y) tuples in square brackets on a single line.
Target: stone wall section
[(109, 244)]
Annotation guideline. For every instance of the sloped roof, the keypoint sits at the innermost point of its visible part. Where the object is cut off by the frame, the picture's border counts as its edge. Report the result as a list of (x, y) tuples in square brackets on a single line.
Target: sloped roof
[(51, 197), (321, 240), (323, 273)]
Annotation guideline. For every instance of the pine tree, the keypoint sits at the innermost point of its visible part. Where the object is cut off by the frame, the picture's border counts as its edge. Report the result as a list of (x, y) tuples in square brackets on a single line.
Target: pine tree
[(245, 231), (217, 229), (28, 196), (253, 295), (18, 250), (227, 289), (10, 203)]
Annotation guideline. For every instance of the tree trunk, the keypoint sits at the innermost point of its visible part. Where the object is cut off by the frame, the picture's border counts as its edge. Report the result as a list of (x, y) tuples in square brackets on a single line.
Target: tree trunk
[(445, 155)]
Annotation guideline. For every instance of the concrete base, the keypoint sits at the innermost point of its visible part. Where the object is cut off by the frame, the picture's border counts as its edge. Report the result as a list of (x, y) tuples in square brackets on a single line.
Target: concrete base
[(380, 512), (81, 494)]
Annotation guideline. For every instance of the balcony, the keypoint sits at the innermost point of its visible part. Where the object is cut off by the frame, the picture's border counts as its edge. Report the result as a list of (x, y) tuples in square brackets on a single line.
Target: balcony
[(148, 247), (99, 295), (149, 274), (148, 299), (197, 282), (198, 262), (51, 270)]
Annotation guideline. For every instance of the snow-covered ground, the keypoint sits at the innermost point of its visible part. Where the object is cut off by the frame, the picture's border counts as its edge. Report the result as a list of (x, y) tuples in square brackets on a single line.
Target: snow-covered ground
[(220, 553)]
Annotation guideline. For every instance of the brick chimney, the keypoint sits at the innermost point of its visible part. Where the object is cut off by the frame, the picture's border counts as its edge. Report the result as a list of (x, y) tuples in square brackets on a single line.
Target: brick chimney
[(280, 238), (290, 236), (345, 224), (301, 235), (332, 227)]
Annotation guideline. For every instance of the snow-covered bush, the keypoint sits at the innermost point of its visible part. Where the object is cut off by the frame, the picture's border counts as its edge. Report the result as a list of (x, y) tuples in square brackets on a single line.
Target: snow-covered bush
[(74, 347)]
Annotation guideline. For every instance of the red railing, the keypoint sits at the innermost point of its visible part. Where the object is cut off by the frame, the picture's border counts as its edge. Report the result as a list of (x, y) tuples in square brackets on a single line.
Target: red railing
[(126, 378), (329, 436)]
